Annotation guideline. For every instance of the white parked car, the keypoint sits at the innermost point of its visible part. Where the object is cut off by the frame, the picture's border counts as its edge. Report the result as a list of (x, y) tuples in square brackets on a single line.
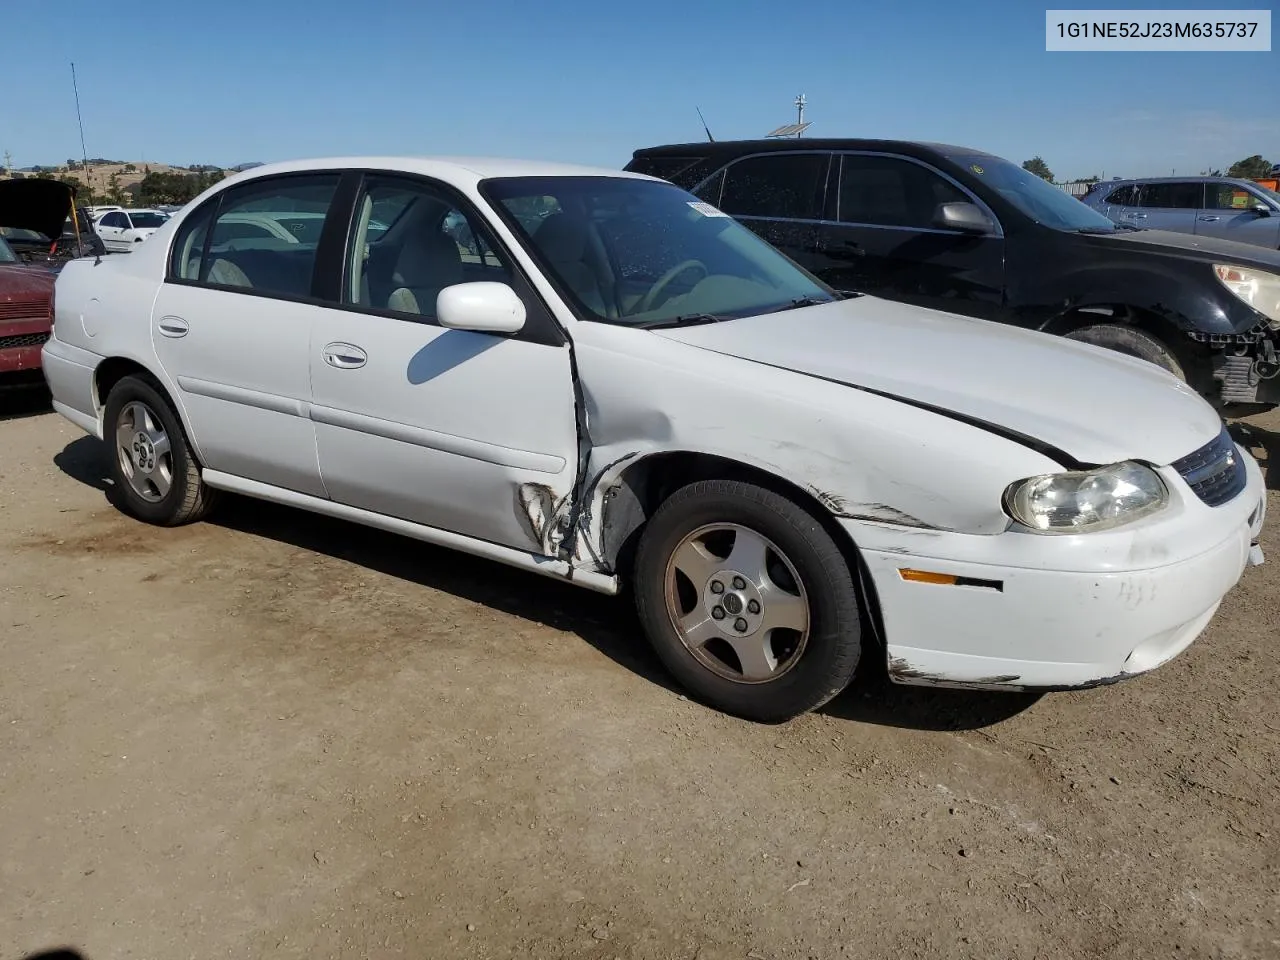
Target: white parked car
[(121, 230), (626, 387)]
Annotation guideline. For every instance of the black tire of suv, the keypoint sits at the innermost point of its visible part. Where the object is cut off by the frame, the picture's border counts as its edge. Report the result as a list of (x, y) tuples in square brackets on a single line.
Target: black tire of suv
[(189, 499), (1131, 341), (830, 656)]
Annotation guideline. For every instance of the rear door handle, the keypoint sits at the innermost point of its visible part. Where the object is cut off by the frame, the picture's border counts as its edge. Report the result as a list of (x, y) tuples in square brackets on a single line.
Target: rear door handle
[(344, 356), (173, 327), (1209, 219)]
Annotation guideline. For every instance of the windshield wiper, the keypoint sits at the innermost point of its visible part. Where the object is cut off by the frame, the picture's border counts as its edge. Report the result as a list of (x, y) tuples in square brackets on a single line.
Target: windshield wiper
[(685, 320), (1100, 230)]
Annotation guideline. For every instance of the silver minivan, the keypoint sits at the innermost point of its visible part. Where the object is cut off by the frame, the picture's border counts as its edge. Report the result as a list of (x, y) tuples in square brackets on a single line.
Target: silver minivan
[(1222, 207)]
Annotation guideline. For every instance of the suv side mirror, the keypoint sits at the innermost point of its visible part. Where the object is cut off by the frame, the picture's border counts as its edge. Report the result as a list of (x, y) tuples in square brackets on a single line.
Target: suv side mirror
[(1262, 210), (964, 216), (483, 306)]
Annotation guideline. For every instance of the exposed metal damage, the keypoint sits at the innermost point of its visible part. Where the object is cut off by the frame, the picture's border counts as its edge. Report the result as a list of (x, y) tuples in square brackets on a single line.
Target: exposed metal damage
[(901, 671), (875, 512)]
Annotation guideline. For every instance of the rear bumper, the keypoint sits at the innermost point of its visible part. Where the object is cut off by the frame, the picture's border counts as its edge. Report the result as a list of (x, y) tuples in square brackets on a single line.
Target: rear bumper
[(69, 372), (1031, 626)]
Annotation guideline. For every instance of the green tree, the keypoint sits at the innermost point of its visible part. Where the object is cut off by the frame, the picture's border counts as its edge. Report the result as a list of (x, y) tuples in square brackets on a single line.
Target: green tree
[(1039, 168), (1250, 168), (130, 168)]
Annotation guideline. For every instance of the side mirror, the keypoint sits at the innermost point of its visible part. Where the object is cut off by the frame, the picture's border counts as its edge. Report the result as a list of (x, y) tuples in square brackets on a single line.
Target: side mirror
[(962, 216), (483, 306), (1262, 210)]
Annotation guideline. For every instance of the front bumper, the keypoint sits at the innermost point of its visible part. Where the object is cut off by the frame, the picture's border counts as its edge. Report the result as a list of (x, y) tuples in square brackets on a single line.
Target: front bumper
[(21, 342), (1073, 611)]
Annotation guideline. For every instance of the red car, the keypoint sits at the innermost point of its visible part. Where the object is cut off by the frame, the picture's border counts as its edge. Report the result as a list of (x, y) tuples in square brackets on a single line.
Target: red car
[(26, 290)]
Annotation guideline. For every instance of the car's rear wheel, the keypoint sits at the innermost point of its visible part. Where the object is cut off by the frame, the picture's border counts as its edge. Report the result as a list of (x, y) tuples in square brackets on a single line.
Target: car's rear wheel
[(1131, 341), (747, 600), (155, 475)]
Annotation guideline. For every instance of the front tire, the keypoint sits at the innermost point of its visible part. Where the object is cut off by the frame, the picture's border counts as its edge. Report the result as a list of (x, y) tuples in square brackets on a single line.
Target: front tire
[(1133, 342), (747, 600), (155, 476)]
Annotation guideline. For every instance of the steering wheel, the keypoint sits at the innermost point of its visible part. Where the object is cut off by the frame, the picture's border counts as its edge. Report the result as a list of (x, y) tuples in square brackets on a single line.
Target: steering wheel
[(651, 298)]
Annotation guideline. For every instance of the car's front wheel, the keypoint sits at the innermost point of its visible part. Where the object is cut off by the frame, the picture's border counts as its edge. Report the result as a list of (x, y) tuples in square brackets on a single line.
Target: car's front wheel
[(155, 476), (747, 600)]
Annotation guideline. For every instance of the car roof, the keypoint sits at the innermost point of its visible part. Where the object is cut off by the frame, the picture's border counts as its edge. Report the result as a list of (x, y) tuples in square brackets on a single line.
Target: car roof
[(459, 170), (714, 148), (1196, 179)]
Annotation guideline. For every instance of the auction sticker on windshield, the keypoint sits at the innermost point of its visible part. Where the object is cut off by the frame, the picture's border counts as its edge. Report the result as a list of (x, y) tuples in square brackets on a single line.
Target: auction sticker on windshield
[(706, 209)]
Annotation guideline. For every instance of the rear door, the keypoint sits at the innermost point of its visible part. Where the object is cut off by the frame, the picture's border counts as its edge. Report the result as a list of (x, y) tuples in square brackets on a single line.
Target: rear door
[(1231, 212), (1170, 205), (1121, 204), (779, 196), (884, 241), (232, 328)]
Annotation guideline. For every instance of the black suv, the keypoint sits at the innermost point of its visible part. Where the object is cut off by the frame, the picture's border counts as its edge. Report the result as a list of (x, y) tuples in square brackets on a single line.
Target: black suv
[(959, 230)]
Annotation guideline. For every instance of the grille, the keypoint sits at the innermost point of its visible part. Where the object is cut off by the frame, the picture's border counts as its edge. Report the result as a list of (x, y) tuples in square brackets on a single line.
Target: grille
[(24, 309), (1215, 471), (23, 340)]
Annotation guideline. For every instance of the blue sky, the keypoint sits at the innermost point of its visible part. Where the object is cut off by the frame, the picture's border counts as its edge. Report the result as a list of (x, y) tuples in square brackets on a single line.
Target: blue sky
[(242, 80)]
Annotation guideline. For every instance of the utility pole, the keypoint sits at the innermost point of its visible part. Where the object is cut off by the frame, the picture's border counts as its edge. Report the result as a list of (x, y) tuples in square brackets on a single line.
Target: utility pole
[(800, 101), (8, 163)]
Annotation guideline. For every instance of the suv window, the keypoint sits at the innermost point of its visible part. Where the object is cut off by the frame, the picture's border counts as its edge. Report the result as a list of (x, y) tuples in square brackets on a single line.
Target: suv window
[(891, 192), (1180, 196), (1124, 197), (410, 241), (786, 186), (1228, 196), (291, 209)]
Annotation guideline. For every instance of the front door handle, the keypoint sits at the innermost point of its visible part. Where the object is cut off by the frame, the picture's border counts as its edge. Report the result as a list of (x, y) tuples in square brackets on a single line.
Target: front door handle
[(173, 327), (344, 356), (1135, 216), (1209, 219)]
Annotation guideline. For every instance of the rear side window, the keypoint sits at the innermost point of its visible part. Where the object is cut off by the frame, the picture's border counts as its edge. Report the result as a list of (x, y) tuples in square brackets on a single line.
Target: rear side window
[(261, 236), (892, 192), (1180, 196), (783, 186)]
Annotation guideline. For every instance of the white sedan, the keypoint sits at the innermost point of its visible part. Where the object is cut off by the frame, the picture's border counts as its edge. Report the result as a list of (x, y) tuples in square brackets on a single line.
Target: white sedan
[(120, 230), (618, 385)]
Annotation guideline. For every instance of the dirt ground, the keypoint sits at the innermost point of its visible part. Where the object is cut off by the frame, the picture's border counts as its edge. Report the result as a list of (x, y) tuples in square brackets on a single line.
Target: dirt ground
[(274, 735)]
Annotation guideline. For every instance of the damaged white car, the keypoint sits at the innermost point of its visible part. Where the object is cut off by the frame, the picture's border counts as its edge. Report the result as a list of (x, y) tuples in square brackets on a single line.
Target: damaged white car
[(614, 384)]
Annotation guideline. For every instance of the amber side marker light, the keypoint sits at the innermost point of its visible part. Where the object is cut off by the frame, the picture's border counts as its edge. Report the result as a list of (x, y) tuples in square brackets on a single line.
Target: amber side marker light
[(948, 579)]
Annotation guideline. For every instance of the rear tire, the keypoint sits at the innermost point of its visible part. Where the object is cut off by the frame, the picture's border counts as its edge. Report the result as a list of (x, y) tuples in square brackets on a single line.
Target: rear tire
[(747, 600), (1133, 342), (154, 473)]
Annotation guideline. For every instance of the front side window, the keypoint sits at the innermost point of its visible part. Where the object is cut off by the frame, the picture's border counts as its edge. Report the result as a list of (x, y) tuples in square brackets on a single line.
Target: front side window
[(1033, 196), (785, 186), (646, 253), (276, 258), (891, 192), (1228, 196), (410, 241), (1172, 196)]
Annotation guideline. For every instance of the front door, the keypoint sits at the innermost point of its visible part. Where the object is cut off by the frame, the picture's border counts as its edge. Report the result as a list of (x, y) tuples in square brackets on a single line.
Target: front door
[(1232, 212), (884, 242), (469, 432), (232, 328)]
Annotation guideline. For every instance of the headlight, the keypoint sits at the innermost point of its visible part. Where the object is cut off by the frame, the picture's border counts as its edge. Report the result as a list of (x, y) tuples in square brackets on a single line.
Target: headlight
[(1080, 501), (1257, 288)]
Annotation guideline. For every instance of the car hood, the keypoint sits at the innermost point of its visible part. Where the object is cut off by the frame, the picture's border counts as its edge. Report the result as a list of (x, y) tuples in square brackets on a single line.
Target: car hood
[(1092, 404), (21, 282), (39, 205), (1190, 246)]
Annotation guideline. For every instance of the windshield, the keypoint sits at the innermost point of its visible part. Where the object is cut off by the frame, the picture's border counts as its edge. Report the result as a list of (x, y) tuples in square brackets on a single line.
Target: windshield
[(1037, 198), (643, 253), (147, 220), (6, 252)]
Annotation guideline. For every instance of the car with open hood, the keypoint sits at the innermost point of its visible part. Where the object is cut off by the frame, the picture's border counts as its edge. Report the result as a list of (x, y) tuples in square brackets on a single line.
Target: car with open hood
[(961, 230), (616, 385), (42, 224)]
